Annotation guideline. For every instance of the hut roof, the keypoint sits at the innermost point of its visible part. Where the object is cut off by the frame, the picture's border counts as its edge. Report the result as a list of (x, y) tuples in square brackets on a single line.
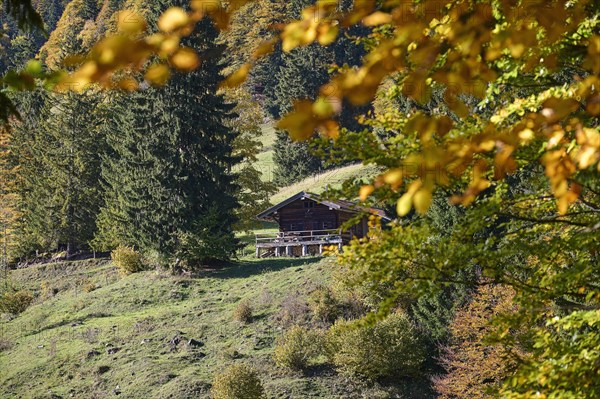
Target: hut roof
[(342, 205)]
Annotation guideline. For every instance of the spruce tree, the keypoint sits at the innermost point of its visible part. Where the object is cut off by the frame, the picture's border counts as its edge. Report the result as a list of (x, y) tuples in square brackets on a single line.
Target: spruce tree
[(136, 196), (58, 151), (205, 158), (169, 186)]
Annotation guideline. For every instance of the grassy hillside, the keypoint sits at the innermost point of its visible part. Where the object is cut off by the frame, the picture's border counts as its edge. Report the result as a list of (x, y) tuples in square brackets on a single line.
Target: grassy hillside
[(265, 158), (319, 183), (129, 336)]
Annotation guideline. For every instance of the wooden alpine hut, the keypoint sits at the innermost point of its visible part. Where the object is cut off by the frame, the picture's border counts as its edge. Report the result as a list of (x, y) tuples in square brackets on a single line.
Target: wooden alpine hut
[(308, 222)]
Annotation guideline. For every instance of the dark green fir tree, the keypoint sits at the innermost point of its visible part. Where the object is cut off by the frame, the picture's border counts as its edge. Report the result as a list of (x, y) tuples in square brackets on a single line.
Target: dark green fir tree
[(169, 186), (59, 147)]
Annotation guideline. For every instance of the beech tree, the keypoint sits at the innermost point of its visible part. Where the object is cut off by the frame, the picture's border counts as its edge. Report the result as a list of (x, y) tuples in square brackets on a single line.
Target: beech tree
[(473, 365)]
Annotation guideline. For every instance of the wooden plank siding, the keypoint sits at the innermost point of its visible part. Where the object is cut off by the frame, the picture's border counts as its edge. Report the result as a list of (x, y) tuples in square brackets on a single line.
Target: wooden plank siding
[(307, 215), (310, 215)]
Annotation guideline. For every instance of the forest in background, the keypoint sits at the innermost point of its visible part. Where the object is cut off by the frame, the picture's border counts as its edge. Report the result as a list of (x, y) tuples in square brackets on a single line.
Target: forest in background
[(493, 105)]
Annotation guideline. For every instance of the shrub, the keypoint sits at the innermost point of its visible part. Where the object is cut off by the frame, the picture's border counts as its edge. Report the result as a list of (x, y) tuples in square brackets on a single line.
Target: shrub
[(237, 382), (47, 291), (127, 260), (297, 347), (243, 312), (294, 310), (325, 307), (5, 345), (89, 286), (348, 283), (389, 348), (15, 302)]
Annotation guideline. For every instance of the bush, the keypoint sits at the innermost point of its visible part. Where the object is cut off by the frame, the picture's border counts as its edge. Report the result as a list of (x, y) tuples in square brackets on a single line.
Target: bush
[(127, 260), (390, 348), (325, 307), (237, 382), (15, 302), (47, 291), (89, 286), (349, 284), (5, 345), (297, 347), (243, 312), (294, 310)]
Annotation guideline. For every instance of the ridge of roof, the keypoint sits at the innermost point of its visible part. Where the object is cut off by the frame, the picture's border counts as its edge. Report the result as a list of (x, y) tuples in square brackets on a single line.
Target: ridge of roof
[(335, 204)]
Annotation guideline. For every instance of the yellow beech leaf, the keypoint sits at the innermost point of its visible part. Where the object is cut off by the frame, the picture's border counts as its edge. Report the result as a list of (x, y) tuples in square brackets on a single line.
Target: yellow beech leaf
[(404, 204), (238, 77), (299, 33), (327, 34), (587, 156), (76, 83), (322, 107), (172, 19), (589, 153), (422, 200), (264, 48), (365, 191), (393, 177), (330, 128), (526, 135), (516, 49), (158, 74), (185, 59), (130, 22), (169, 45), (377, 18), (128, 84), (300, 123)]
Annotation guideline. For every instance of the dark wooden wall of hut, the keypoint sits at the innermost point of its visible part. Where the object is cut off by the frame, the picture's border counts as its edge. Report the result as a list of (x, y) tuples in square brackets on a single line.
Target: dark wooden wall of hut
[(307, 215), (303, 215)]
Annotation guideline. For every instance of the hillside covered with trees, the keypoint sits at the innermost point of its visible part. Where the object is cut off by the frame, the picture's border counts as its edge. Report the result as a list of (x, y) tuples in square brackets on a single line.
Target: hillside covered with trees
[(132, 149)]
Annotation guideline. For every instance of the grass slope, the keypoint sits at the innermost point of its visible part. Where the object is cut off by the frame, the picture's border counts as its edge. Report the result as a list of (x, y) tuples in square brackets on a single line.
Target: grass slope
[(264, 162), (332, 178), (119, 339)]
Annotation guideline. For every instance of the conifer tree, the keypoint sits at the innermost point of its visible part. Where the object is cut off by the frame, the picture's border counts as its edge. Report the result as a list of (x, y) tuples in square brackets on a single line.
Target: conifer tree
[(137, 132), (205, 158), (170, 190), (8, 199), (58, 150)]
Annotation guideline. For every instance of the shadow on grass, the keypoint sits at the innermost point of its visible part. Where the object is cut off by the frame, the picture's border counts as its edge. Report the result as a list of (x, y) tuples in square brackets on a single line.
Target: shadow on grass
[(244, 269)]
